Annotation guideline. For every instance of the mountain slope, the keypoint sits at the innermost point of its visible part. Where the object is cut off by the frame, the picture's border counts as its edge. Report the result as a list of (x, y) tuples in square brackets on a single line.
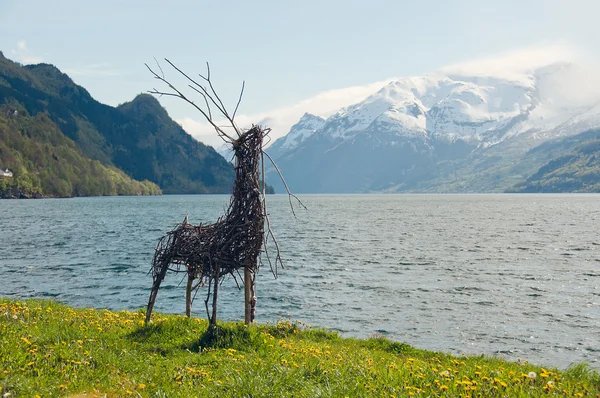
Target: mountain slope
[(45, 163), (163, 152), (137, 137), (576, 171), (438, 133), (298, 133)]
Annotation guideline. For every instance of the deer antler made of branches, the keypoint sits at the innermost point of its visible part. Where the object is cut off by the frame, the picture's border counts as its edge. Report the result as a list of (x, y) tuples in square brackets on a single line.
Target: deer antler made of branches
[(209, 95)]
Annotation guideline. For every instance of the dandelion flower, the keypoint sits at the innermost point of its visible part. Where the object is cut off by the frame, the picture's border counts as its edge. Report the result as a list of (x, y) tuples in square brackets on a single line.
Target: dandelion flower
[(532, 375)]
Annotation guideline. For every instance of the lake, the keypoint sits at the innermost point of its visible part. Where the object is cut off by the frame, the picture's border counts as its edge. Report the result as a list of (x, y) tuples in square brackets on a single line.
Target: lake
[(517, 276)]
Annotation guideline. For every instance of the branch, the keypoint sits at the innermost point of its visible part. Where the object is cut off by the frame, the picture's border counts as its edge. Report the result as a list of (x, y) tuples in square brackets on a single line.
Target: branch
[(290, 194), (157, 64), (210, 96), (204, 90), (207, 79), (269, 231), (179, 94), (239, 99), (203, 96), (266, 240)]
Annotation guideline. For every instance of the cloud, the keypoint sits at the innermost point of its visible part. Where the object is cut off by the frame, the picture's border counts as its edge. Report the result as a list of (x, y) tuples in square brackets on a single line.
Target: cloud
[(23, 55), (516, 62), (281, 119), (580, 82), (93, 70), (566, 76)]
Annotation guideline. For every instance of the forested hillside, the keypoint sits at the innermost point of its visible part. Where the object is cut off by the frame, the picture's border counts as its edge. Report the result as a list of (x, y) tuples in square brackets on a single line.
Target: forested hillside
[(576, 171), (137, 137), (45, 163)]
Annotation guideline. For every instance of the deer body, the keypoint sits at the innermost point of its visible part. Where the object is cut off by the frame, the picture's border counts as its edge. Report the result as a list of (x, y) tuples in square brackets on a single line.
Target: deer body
[(210, 252)]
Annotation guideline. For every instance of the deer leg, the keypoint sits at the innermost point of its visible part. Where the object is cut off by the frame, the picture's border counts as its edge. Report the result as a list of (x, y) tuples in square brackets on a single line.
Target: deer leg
[(155, 286), (249, 296), (248, 293), (253, 299), (253, 310), (213, 318), (188, 295)]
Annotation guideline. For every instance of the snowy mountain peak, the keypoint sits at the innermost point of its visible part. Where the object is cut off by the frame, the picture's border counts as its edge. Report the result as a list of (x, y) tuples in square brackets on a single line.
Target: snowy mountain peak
[(419, 128), (299, 132), (309, 118), (473, 108)]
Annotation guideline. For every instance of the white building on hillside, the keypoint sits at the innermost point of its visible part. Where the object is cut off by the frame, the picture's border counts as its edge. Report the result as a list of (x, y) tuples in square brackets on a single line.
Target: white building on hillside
[(6, 173)]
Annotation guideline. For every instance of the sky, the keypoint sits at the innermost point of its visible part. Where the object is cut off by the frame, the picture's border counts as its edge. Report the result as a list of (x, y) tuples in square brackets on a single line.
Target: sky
[(294, 56)]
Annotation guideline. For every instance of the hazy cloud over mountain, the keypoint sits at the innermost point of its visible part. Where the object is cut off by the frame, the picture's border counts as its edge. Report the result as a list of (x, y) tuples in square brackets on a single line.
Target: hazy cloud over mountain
[(581, 85)]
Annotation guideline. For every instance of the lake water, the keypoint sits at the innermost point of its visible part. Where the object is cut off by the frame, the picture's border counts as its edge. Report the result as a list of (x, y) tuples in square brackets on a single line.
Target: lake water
[(507, 275)]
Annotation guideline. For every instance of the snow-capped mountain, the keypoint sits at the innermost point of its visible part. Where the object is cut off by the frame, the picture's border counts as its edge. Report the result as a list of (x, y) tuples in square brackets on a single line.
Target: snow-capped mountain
[(439, 117), (298, 133), (586, 120), (459, 107)]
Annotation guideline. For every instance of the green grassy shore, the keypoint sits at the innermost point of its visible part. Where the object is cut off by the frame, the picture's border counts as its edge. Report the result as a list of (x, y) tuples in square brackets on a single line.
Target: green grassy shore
[(48, 349)]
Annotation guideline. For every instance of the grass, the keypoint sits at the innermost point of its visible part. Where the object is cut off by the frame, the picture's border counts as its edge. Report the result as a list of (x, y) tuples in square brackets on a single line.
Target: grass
[(48, 349)]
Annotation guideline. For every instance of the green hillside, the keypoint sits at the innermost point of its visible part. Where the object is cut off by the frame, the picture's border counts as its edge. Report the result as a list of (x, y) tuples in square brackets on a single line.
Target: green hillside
[(45, 163), (576, 171), (137, 137)]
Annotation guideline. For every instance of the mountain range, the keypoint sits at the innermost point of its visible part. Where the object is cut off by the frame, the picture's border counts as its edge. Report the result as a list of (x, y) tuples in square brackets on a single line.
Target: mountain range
[(445, 132), (450, 131), (136, 141)]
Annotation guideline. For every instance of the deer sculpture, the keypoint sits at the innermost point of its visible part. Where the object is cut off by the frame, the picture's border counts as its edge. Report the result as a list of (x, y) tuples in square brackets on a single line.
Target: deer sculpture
[(210, 252)]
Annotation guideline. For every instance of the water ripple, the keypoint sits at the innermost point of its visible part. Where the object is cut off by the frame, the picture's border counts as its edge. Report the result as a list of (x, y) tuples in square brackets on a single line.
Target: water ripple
[(508, 275)]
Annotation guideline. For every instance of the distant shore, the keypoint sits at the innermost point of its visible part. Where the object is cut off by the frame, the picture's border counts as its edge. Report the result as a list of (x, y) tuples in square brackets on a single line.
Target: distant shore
[(40, 196)]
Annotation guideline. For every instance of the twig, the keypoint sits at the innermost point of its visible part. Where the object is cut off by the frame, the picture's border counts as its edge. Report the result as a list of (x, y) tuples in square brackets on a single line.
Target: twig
[(290, 194), (179, 94), (239, 99)]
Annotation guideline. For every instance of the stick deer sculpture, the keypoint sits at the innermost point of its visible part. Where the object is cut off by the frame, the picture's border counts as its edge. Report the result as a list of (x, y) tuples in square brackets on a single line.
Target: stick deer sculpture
[(210, 252)]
